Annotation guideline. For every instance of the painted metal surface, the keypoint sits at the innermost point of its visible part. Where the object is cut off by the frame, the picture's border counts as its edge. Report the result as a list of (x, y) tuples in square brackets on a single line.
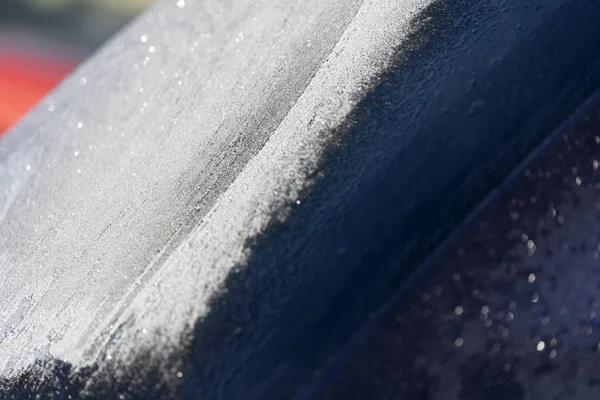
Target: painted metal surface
[(509, 308)]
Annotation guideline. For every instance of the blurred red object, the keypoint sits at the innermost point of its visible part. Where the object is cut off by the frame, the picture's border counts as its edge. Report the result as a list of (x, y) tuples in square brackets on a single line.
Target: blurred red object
[(25, 78)]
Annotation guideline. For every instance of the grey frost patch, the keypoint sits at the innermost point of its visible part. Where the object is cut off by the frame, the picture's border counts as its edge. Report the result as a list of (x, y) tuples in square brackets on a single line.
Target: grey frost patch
[(272, 180), (98, 280)]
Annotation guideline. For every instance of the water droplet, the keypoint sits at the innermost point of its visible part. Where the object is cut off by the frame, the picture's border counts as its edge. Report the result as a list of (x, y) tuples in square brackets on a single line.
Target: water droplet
[(179, 374), (458, 342), (80, 125), (535, 297), (531, 247), (531, 278), (51, 106), (540, 346), (28, 167), (552, 353), (82, 81), (458, 310), (151, 49), (298, 202), (180, 3), (76, 153), (144, 38)]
